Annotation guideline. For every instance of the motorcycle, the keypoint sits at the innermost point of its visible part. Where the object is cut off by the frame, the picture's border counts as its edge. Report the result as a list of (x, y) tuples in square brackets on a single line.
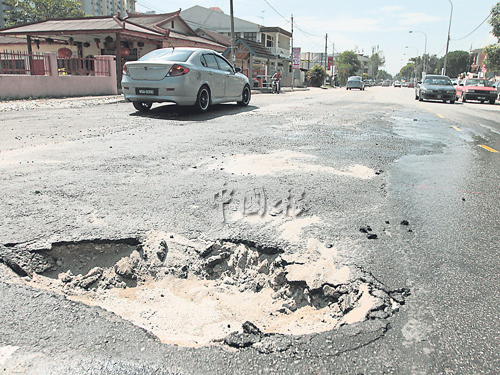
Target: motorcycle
[(276, 86)]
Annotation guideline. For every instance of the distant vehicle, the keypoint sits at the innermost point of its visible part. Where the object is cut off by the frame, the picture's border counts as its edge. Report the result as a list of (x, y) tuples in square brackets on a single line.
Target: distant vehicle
[(411, 85), (397, 84), (355, 82), (386, 84), (477, 89), (404, 84), (184, 76), (436, 87), (455, 81)]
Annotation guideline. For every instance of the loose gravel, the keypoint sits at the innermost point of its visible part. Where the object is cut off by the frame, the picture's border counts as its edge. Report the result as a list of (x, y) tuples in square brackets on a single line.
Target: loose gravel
[(72, 102)]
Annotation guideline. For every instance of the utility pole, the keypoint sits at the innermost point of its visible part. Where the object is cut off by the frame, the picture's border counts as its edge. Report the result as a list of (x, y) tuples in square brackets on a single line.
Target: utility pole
[(326, 52), (233, 59), (291, 39), (448, 40)]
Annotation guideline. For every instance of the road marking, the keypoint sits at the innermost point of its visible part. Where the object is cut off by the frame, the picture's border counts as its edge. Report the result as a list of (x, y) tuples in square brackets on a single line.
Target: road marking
[(430, 109), (457, 128), (440, 115), (488, 148)]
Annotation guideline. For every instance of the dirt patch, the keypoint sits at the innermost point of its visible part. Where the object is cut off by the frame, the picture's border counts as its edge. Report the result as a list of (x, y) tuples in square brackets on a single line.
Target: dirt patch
[(196, 293)]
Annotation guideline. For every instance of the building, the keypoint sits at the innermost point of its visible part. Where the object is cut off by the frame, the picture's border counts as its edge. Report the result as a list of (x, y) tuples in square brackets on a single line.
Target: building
[(107, 7), (3, 12), (260, 51)]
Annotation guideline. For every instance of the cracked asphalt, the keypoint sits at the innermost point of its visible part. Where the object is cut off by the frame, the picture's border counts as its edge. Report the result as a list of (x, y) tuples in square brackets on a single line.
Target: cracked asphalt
[(374, 158)]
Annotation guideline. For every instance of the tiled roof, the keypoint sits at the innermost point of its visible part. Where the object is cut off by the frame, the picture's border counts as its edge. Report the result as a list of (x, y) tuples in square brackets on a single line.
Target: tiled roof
[(78, 26), (218, 37), (264, 29)]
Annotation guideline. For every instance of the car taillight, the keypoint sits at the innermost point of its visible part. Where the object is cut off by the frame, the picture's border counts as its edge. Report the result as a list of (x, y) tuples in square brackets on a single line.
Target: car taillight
[(177, 70), (125, 71)]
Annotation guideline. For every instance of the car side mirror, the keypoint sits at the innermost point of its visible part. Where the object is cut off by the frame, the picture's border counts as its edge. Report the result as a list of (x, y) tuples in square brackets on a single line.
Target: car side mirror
[(237, 69)]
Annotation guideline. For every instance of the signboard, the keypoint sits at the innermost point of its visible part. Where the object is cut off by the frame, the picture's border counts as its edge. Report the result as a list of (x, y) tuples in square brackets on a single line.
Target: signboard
[(296, 58), (330, 62)]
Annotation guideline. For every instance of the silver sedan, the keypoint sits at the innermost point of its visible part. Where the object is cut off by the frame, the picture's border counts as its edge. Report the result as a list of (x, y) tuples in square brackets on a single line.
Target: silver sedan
[(184, 76)]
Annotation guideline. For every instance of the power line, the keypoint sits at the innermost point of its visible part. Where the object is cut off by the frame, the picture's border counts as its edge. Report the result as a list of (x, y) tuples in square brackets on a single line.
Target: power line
[(489, 15)]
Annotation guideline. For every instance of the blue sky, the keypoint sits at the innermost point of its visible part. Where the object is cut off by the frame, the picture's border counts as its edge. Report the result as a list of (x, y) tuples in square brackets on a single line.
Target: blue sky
[(363, 24)]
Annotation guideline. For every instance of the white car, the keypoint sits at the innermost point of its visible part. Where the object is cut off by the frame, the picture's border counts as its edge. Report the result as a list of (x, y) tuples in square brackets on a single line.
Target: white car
[(184, 76), (397, 84)]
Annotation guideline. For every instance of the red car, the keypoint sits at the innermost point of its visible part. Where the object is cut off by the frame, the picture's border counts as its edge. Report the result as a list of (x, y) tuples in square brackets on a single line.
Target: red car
[(477, 89), (411, 85)]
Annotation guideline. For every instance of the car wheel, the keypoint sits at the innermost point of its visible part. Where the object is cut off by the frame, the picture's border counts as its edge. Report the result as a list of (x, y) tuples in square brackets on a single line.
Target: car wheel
[(492, 101), (245, 96), (347, 88), (463, 98), (203, 100), (452, 102), (142, 106)]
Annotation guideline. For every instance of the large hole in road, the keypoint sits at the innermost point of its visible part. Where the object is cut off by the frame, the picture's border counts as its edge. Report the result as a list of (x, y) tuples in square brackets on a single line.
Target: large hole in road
[(234, 293)]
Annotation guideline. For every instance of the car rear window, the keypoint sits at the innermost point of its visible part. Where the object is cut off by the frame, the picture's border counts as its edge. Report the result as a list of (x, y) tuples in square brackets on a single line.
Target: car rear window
[(167, 54), (354, 78)]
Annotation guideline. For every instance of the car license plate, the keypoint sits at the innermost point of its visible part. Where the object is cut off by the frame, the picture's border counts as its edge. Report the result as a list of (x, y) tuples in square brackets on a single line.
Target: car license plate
[(146, 91), (481, 97), (439, 96)]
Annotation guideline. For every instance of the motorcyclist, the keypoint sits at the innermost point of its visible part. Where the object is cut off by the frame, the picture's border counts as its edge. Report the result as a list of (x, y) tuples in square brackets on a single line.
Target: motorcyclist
[(277, 79)]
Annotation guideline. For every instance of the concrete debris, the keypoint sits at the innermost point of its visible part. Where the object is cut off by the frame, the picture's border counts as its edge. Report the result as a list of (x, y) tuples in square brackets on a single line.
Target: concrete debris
[(346, 293)]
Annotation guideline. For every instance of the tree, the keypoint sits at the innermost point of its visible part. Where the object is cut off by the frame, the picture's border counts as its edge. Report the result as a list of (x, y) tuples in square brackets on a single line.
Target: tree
[(493, 50), (495, 21), (376, 61), (407, 72), (492, 61), (316, 75), (26, 11), (432, 63), (349, 64), (458, 62), (382, 74)]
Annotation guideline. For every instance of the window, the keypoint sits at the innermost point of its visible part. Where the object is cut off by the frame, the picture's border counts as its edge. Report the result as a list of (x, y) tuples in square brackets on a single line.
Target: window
[(210, 60), (269, 41), (250, 36), (224, 65)]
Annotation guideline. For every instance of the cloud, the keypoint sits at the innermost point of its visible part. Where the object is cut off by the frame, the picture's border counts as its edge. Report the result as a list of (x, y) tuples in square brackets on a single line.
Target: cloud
[(406, 19), (390, 9)]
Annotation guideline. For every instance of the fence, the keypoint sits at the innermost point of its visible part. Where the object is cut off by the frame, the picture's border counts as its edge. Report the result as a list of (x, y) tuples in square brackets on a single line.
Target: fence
[(88, 66), (38, 64), (21, 78), (24, 63)]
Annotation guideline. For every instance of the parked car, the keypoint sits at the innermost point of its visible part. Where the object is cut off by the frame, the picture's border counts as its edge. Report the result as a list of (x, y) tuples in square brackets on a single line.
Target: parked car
[(411, 85), (355, 82), (436, 87), (386, 84), (404, 84), (397, 84), (184, 76), (477, 89)]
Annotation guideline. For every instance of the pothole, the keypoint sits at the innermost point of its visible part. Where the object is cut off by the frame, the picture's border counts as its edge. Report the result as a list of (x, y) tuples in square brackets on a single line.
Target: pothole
[(228, 292)]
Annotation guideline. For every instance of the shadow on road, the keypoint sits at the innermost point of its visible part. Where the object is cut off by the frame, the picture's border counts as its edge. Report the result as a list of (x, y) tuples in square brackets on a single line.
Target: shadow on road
[(174, 112)]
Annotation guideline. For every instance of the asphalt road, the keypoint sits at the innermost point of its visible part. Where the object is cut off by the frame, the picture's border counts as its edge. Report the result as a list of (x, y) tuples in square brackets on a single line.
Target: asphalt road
[(423, 176)]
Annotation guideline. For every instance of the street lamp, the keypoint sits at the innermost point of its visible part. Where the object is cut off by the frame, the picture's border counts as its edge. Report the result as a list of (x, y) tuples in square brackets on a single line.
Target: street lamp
[(448, 40), (425, 67)]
